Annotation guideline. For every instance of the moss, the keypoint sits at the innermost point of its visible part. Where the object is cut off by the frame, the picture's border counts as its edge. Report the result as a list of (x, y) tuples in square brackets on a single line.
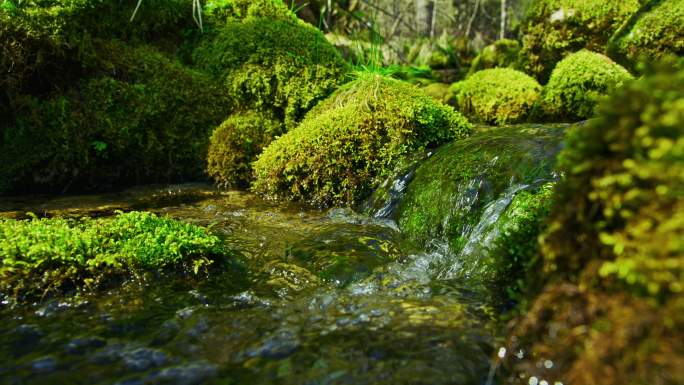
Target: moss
[(495, 96), (438, 91), (577, 84), (150, 122), (553, 28), (221, 11), (654, 32), (39, 256), (610, 306), (451, 189), (236, 143), (284, 66), (502, 54), (345, 145)]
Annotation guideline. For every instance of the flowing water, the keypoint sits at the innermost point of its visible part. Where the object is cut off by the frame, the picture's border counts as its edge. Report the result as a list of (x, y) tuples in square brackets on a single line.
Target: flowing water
[(318, 297)]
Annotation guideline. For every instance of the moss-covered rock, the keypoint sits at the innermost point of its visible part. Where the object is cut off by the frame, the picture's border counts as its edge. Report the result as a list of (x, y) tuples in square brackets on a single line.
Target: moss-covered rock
[(495, 96), (282, 65), (611, 306), (351, 140), (501, 54), (236, 143), (144, 118), (576, 85), (222, 11), (39, 256), (553, 28), (654, 32), (438, 91)]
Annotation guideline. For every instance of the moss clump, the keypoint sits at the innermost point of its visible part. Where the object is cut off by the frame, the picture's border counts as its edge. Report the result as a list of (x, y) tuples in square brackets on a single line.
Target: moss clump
[(553, 28), (495, 96), (151, 121), (221, 11), (236, 143), (654, 32), (280, 65), (577, 83), (438, 91), (612, 305), (502, 54), (351, 140), (39, 256)]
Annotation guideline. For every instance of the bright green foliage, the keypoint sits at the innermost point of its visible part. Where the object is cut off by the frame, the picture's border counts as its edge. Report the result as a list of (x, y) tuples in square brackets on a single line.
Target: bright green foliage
[(45, 255), (236, 143), (150, 122), (577, 83), (502, 54), (495, 96), (350, 141), (221, 11), (452, 188), (554, 28), (614, 251), (654, 32), (285, 66)]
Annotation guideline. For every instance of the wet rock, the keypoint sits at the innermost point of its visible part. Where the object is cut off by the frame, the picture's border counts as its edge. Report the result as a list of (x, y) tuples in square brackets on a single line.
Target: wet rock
[(200, 327), (189, 374), (280, 345), (81, 345), (143, 359), (168, 331), (44, 365)]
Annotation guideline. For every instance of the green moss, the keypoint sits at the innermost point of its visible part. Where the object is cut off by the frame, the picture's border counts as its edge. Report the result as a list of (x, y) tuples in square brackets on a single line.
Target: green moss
[(502, 54), (149, 122), (452, 188), (236, 143), (221, 11), (614, 251), (345, 145), (52, 255), (284, 66), (495, 96), (438, 91), (654, 32), (554, 28), (577, 84)]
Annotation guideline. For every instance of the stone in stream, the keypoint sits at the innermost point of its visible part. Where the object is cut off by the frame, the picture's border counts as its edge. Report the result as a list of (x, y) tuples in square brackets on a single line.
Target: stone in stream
[(44, 365)]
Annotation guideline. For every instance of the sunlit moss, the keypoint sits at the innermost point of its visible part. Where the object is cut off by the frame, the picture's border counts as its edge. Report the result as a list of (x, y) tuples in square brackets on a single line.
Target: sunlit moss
[(495, 96), (52, 255), (552, 29), (351, 140), (577, 84)]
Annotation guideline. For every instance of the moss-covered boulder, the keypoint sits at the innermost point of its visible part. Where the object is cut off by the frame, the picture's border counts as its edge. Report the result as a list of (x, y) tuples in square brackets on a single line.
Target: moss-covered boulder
[(654, 32), (495, 96), (236, 143), (278, 63), (350, 141), (576, 85), (501, 54), (438, 91), (610, 304), (553, 28), (40, 256), (140, 117)]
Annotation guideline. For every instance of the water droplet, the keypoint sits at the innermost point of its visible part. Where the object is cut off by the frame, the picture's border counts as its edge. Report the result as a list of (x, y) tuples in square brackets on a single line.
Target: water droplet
[(502, 352), (533, 381)]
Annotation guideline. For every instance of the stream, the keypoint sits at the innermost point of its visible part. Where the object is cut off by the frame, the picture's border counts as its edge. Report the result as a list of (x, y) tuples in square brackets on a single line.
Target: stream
[(315, 297)]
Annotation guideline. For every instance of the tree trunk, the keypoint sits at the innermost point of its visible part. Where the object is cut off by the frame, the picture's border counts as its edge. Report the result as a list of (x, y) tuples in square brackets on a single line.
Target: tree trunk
[(424, 16), (504, 15)]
